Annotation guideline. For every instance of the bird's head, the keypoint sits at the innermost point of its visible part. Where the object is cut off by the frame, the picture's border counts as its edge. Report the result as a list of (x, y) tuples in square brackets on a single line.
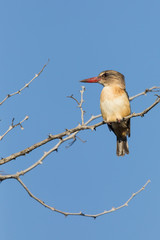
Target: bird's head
[(107, 78)]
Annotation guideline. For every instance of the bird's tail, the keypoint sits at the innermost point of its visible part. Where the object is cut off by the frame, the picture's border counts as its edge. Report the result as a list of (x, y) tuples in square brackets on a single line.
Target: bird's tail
[(122, 146)]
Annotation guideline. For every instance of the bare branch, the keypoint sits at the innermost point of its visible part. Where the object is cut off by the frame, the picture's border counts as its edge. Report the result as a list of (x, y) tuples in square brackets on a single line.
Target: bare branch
[(13, 126), (141, 114), (83, 141), (25, 86), (71, 143), (80, 105), (55, 148), (70, 131), (62, 137), (93, 118), (50, 138), (152, 89), (113, 209), (73, 99)]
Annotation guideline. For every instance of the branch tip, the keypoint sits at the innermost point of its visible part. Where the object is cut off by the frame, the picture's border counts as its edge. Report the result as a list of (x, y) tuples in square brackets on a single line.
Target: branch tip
[(25, 86)]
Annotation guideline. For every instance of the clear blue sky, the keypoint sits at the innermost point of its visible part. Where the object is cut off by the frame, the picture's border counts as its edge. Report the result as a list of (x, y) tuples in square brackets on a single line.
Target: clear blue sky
[(81, 38)]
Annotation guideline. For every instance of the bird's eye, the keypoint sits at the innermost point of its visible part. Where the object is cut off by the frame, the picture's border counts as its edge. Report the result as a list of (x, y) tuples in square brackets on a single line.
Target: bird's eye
[(105, 75)]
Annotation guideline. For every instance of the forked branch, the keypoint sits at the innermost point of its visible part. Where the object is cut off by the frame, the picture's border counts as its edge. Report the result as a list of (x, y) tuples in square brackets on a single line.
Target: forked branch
[(13, 126), (147, 90)]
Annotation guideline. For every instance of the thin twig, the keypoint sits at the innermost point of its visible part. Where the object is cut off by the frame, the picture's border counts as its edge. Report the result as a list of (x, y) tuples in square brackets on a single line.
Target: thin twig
[(73, 98), (25, 86), (141, 114), (113, 209), (152, 89), (13, 126), (80, 105)]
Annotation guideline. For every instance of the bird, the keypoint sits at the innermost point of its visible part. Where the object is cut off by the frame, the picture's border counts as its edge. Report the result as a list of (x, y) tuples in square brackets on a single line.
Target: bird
[(115, 106)]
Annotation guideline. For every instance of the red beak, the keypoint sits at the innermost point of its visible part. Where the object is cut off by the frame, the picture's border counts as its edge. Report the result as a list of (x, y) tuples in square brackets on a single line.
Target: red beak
[(91, 80)]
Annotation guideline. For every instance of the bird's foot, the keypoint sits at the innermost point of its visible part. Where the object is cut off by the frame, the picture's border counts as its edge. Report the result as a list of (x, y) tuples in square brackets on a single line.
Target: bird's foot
[(118, 120)]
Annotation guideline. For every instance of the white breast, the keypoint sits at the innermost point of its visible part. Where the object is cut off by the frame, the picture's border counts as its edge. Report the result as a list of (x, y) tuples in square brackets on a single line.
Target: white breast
[(114, 106)]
